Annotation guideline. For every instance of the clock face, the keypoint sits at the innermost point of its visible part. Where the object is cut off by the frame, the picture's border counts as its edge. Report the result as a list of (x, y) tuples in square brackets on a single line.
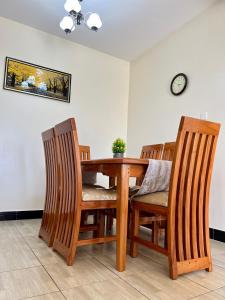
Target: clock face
[(178, 84)]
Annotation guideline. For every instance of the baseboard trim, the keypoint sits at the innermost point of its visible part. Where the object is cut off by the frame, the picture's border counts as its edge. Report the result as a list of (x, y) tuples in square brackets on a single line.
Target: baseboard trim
[(20, 215), (217, 235)]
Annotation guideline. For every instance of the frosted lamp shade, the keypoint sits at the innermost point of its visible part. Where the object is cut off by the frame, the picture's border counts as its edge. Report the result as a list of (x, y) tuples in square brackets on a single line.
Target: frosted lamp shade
[(72, 6), (94, 22), (67, 24)]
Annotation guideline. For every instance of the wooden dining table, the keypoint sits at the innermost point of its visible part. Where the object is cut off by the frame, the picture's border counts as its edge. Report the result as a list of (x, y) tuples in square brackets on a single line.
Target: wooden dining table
[(122, 169)]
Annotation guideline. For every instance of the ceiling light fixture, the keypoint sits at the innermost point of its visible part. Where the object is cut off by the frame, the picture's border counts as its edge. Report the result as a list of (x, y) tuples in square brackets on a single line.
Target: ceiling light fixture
[(75, 17)]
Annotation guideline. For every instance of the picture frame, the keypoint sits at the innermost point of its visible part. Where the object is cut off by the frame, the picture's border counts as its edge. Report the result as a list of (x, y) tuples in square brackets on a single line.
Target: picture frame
[(23, 77)]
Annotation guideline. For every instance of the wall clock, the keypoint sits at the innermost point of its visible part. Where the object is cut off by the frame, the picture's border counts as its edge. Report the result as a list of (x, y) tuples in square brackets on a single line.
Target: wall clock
[(179, 84)]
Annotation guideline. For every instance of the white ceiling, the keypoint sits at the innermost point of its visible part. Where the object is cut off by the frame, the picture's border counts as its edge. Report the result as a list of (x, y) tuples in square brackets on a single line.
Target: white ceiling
[(130, 27)]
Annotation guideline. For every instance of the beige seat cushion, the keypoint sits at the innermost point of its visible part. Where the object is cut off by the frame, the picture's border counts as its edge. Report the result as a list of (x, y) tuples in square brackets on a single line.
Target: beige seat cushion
[(97, 193), (159, 198)]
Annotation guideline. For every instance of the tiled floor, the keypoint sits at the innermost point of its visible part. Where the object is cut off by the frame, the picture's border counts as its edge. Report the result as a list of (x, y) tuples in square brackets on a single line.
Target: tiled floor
[(30, 270)]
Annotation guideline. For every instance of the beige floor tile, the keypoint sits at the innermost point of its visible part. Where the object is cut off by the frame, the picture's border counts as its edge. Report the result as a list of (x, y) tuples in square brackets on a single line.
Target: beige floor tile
[(219, 259), (84, 271), (139, 264), (210, 280), (47, 256), (8, 230), (156, 284), (35, 242), (209, 296), (153, 255), (52, 296), (99, 249), (217, 247), (16, 255), (25, 283), (28, 227), (221, 291), (105, 290)]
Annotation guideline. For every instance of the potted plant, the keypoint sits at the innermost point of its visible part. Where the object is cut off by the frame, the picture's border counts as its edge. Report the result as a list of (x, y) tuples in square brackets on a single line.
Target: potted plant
[(118, 148)]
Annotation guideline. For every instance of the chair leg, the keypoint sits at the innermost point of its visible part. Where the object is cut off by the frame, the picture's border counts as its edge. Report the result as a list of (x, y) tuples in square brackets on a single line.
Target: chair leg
[(84, 218), (209, 269), (155, 232), (101, 224), (129, 225), (172, 269), (96, 217), (134, 231), (75, 236), (166, 237), (109, 223)]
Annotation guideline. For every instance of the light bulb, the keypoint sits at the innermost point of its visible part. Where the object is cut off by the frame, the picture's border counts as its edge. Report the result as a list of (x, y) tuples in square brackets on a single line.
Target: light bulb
[(72, 6), (94, 22), (67, 24)]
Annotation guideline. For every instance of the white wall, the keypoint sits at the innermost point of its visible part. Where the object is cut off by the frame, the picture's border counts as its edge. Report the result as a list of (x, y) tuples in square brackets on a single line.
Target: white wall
[(99, 100), (198, 49)]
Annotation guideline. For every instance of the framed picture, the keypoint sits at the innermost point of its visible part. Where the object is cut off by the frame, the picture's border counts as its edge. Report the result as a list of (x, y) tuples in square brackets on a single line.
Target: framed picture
[(24, 77)]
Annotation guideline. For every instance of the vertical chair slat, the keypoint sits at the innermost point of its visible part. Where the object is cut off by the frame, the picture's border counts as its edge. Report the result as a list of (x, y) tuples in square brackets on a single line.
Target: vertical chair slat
[(47, 229), (193, 196), (207, 189), (188, 194), (68, 185), (181, 223), (202, 196)]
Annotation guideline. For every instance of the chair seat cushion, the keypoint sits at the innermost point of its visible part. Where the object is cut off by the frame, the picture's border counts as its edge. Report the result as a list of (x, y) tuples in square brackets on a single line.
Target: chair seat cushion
[(97, 193), (159, 198)]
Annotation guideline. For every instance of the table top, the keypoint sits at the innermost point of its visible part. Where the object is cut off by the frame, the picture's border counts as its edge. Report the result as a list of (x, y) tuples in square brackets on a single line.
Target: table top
[(125, 160)]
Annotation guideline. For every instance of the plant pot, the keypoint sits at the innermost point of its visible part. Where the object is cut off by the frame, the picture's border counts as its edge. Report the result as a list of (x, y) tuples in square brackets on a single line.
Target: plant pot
[(118, 155)]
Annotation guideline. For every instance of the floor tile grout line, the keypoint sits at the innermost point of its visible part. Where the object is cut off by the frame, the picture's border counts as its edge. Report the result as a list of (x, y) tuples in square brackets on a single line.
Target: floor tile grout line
[(116, 275), (208, 290), (192, 298), (43, 267), (121, 278), (92, 257), (200, 285), (32, 297), (217, 290), (20, 269)]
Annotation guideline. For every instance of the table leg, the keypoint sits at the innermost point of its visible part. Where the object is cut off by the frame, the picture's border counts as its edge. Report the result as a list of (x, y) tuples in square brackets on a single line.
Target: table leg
[(122, 215)]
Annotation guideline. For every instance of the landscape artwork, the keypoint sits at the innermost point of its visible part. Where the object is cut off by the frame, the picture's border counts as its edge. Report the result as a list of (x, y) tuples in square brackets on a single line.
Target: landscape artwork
[(32, 79)]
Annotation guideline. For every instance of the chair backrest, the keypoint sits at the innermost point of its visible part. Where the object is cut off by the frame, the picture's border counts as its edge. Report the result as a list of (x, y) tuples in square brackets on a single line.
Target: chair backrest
[(70, 194), (85, 152), (168, 151), (152, 151), (189, 189), (48, 227)]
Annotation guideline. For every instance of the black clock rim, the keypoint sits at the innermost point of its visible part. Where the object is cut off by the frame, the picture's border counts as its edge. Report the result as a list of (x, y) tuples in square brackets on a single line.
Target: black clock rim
[(174, 78)]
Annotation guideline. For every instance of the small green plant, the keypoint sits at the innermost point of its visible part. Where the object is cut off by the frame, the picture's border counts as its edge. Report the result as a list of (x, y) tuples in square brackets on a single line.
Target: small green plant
[(118, 146)]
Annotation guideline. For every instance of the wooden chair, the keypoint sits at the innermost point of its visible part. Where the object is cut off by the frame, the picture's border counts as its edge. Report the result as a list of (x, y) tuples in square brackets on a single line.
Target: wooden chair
[(73, 198), (49, 219), (186, 206), (85, 152), (168, 151), (47, 230)]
